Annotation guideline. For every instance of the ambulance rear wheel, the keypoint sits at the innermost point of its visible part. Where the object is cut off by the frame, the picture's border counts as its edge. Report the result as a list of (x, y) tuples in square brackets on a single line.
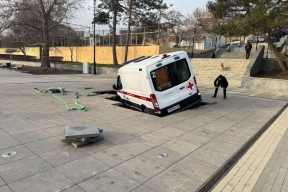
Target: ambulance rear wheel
[(144, 109)]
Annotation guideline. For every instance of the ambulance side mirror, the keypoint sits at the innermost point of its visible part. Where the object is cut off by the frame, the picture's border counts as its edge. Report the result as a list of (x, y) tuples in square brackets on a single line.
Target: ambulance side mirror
[(114, 87)]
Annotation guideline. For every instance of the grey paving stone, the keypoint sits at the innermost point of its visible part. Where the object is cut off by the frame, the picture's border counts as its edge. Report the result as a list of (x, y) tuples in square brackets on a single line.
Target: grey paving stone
[(63, 155), (3, 133), (110, 180), (23, 168), (137, 145), (32, 136), (88, 167), (113, 156), (180, 146), (170, 180), (209, 156), (74, 189), (45, 145), (172, 158), (223, 147), (81, 131), (5, 188), (193, 138), (2, 182), (142, 188), (17, 126), (50, 180), (21, 153), (57, 131), (6, 142), (139, 169), (195, 168), (117, 137)]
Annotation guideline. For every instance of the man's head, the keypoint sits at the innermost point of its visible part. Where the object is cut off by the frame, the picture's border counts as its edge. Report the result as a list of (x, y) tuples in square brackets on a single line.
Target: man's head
[(220, 77)]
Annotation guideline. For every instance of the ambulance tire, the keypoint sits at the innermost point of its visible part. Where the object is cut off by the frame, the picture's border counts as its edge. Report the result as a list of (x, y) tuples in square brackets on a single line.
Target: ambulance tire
[(123, 103), (144, 109)]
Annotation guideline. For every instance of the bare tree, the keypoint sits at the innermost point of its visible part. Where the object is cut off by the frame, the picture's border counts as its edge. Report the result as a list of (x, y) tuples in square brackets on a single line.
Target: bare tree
[(174, 21), (37, 17), (199, 22)]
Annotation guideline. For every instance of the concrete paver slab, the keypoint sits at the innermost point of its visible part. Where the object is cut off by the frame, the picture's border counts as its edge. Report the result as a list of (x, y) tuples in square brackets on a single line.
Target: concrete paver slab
[(6, 142), (5, 188), (110, 180), (139, 169), (87, 168), (50, 180), (32, 136), (81, 131), (137, 145), (142, 188), (3, 133), (171, 180), (74, 189), (180, 146), (62, 155), (20, 169), (45, 145), (113, 156), (172, 158), (195, 168), (21, 153), (2, 182)]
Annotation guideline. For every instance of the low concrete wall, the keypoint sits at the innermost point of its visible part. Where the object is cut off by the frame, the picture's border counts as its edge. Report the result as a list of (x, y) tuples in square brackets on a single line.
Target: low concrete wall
[(258, 63), (265, 84), (99, 70), (255, 62)]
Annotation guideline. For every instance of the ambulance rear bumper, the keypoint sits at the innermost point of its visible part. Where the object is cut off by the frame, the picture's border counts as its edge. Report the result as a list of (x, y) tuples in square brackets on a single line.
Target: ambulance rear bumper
[(190, 102)]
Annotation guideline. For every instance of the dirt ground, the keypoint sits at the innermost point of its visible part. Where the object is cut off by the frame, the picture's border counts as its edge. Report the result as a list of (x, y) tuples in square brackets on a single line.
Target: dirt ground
[(49, 71), (272, 75)]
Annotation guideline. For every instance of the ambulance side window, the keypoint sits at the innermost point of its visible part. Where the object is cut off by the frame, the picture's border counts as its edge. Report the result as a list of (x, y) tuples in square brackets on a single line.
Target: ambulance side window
[(180, 71), (161, 79), (119, 83)]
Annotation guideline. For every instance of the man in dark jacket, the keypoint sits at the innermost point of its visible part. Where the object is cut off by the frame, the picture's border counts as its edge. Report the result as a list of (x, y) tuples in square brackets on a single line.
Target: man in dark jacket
[(220, 81), (248, 48)]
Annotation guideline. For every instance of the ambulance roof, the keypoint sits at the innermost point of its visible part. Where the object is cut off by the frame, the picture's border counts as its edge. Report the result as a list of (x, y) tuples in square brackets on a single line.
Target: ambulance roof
[(147, 61)]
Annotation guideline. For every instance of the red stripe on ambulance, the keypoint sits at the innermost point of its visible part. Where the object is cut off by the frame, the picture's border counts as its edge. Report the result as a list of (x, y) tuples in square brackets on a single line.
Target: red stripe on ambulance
[(136, 96)]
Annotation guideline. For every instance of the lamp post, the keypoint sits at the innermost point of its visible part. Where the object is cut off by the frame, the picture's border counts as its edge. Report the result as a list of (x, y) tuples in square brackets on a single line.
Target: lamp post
[(94, 40)]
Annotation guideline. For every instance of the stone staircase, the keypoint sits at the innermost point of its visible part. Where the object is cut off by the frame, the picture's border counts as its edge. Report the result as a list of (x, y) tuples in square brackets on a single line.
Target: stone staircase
[(235, 63), (206, 70)]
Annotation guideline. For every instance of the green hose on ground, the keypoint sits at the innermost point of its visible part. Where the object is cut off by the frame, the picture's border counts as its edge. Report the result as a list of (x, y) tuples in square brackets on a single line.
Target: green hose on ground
[(83, 108)]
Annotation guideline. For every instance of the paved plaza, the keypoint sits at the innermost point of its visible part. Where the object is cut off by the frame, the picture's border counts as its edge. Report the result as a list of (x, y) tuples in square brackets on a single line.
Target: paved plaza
[(197, 142)]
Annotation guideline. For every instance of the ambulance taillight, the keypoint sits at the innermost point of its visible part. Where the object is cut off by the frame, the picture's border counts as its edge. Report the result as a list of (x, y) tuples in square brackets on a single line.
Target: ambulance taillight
[(196, 84), (155, 102)]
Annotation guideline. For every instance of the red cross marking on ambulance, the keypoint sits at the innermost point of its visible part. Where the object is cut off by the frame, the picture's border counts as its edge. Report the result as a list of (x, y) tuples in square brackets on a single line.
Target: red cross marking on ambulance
[(190, 85)]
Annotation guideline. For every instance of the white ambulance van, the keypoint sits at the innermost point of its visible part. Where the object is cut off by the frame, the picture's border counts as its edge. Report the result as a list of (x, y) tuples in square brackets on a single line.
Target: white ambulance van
[(159, 84)]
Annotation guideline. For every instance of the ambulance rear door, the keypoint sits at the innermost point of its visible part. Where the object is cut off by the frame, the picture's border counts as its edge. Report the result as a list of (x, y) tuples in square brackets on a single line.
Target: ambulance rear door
[(162, 84)]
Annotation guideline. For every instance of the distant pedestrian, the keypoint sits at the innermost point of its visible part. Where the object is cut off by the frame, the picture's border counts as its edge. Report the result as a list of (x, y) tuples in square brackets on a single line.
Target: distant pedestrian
[(248, 48), (213, 54), (220, 81)]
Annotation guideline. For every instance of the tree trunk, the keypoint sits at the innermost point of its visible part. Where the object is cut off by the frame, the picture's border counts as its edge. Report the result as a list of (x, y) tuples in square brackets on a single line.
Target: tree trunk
[(279, 60), (45, 51), (277, 55), (115, 61), (128, 31)]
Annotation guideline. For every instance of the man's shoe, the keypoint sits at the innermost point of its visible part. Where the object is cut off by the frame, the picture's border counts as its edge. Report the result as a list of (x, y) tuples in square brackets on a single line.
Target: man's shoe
[(213, 96), (224, 97)]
